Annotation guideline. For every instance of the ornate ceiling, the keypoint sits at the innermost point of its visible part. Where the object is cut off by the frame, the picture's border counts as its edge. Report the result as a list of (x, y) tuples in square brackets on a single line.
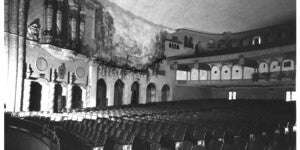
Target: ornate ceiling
[(214, 16)]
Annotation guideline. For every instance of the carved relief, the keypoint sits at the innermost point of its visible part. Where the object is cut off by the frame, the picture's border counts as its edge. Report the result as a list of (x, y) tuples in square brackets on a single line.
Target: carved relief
[(41, 64), (62, 71), (33, 30)]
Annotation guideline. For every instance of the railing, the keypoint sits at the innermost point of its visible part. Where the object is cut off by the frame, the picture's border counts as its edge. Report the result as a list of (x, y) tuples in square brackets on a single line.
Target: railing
[(240, 49), (32, 127)]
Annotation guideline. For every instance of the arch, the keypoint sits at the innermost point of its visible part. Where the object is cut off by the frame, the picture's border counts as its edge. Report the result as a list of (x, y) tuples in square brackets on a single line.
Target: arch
[(215, 73), (237, 72), (248, 72), (287, 65), (35, 96), (135, 92), (165, 93), (59, 100), (101, 93), (245, 42), (118, 93), (226, 72), (263, 67), (76, 97), (274, 66), (151, 93), (256, 40)]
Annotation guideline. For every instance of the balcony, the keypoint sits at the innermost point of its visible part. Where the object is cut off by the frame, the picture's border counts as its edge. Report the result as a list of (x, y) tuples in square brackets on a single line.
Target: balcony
[(285, 78)]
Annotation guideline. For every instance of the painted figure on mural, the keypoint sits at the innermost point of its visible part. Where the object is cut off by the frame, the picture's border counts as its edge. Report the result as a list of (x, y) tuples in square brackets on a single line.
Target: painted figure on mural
[(198, 48), (33, 30)]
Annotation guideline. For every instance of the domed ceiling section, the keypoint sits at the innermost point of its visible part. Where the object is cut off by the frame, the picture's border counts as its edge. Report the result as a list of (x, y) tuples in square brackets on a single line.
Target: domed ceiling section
[(117, 37), (216, 16)]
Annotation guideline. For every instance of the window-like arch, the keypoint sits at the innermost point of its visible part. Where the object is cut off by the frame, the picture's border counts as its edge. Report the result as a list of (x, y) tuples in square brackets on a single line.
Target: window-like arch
[(151, 93), (35, 96), (263, 67), (165, 93), (58, 98), (76, 97), (256, 40), (233, 43), (101, 93), (245, 42), (118, 94), (135, 92), (225, 72), (287, 65), (274, 66), (215, 73), (237, 72)]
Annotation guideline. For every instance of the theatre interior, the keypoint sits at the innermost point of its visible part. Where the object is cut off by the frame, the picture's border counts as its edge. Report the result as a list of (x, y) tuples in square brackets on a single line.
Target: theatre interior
[(149, 75)]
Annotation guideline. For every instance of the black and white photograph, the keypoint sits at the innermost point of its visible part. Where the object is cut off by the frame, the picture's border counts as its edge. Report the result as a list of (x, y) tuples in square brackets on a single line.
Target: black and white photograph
[(148, 75)]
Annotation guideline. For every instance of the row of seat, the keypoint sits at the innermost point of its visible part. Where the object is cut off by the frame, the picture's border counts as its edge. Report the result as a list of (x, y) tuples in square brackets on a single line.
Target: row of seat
[(171, 126)]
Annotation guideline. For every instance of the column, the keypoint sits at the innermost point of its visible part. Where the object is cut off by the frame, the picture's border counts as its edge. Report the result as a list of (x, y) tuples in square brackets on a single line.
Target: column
[(45, 96), (51, 96), (126, 94), (13, 56), (21, 48), (83, 97), (26, 98), (82, 23), (242, 71), (93, 78), (59, 16), (73, 25), (69, 96)]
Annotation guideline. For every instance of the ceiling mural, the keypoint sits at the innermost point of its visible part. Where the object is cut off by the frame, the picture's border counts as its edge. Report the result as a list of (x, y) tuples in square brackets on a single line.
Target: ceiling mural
[(117, 37), (214, 16)]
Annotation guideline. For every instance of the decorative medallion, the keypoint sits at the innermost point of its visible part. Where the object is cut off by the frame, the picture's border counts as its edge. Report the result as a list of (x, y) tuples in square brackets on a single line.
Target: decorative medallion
[(80, 72), (41, 64), (62, 71)]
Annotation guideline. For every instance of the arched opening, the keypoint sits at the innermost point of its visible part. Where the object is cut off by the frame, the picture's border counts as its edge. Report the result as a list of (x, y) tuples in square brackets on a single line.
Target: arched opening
[(274, 66), (76, 97), (118, 94), (151, 93), (256, 40), (59, 100), (237, 72), (35, 96), (263, 67), (226, 72), (165, 93), (135, 90), (215, 73), (101, 93)]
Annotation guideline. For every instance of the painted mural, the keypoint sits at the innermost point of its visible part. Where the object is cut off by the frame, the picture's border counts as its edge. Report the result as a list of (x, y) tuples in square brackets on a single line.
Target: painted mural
[(120, 38)]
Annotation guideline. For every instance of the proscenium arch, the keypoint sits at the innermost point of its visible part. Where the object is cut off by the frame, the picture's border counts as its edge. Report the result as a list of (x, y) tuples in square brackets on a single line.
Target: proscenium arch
[(101, 100), (118, 93), (165, 93), (151, 93), (135, 92)]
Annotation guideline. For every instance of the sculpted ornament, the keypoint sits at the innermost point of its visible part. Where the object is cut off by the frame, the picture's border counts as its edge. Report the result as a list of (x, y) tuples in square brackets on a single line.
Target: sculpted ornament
[(33, 30)]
